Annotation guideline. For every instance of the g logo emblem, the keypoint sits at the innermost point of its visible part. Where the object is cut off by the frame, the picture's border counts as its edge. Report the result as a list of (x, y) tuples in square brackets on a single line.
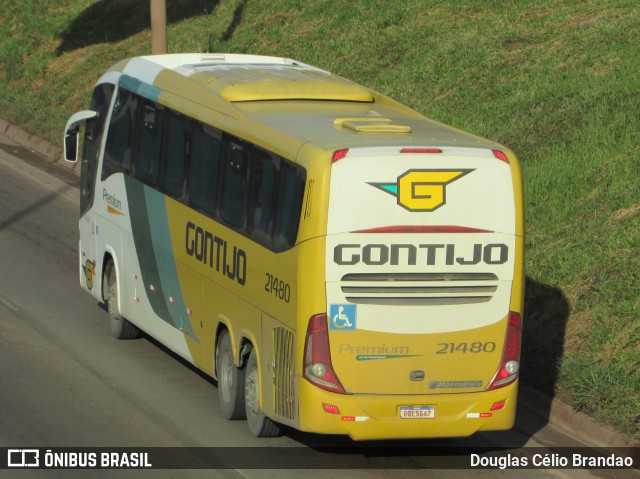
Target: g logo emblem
[(89, 271), (421, 190)]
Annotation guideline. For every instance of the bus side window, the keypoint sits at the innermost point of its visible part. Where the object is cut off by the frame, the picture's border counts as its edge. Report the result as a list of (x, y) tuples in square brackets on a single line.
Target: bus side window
[(203, 169), (118, 152), (148, 142), (175, 156), (263, 211), (292, 190), (236, 184)]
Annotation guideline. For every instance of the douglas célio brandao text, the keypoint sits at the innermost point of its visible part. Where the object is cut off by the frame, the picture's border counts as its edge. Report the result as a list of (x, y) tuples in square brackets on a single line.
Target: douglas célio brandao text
[(572, 460)]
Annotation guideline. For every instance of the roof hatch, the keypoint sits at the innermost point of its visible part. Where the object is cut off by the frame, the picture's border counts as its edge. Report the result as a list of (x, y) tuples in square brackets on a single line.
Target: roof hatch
[(256, 82), (371, 125)]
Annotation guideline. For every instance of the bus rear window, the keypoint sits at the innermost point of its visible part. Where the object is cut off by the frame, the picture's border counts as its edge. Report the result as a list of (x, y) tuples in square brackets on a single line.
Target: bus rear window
[(291, 192)]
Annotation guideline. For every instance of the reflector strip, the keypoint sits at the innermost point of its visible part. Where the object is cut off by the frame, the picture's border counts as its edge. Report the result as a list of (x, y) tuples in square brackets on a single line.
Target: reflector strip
[(331, 409)]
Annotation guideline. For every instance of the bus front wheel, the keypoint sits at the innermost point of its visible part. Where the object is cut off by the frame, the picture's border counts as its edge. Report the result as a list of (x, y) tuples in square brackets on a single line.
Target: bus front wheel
[(120, 327), (259, 424), (230, 380)]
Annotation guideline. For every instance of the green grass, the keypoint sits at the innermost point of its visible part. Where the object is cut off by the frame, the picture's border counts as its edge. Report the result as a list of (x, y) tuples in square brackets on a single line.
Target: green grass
[(557, 81)]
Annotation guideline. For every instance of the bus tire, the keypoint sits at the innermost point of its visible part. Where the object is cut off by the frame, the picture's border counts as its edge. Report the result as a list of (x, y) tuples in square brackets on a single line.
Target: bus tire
[(230, 380), (120, 327), (259, 424)]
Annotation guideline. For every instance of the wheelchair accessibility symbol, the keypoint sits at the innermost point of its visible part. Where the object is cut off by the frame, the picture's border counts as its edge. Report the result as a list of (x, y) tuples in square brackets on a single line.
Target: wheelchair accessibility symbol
[(343, 317)]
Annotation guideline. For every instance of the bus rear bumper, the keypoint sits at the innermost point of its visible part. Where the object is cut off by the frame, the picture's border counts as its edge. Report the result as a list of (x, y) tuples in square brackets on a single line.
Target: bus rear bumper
[(368, 417)]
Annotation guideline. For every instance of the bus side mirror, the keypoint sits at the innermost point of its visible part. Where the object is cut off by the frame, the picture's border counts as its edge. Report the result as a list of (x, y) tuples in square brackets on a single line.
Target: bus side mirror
[(71, 144), (71, 134)]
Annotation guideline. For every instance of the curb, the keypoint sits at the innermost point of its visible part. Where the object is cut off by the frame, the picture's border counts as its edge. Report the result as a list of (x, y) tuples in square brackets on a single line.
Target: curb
[(548, 409), (47, 150), (576, 424)]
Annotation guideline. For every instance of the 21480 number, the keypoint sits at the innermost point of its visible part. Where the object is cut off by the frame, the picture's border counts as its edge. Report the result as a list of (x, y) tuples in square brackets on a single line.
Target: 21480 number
[(278, 288), (476, 347)]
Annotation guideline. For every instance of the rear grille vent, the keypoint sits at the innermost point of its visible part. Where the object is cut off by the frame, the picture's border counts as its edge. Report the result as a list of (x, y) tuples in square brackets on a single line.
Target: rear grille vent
[(419, 288), (284, 373)]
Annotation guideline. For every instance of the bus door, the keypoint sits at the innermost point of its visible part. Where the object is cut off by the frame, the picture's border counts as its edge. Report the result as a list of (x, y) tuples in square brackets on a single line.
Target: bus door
[(92, 148)]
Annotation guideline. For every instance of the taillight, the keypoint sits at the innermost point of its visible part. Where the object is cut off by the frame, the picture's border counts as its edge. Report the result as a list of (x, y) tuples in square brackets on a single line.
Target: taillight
[(510, 363), (318, 369)]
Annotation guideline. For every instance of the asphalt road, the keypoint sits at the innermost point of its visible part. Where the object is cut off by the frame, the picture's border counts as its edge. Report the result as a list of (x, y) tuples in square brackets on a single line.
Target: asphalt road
[(65, 382)]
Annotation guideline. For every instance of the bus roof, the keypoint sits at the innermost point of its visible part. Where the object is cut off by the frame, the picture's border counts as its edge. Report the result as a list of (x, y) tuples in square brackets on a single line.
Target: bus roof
[(287, 100)]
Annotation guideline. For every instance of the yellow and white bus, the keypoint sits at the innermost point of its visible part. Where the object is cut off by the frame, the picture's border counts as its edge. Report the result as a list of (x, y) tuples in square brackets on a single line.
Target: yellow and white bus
[(338, 262)]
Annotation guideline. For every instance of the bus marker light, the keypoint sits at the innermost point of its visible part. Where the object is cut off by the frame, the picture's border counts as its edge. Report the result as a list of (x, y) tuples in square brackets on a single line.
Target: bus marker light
[(501, 155), (423, 229), (421, 150), (339, 154)]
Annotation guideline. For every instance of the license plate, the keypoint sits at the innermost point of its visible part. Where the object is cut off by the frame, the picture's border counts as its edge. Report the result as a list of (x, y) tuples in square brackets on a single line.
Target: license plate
[(417, 412)]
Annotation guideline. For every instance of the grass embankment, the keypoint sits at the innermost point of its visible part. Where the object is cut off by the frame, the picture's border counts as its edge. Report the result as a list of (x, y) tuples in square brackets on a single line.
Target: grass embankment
[(555, 81)]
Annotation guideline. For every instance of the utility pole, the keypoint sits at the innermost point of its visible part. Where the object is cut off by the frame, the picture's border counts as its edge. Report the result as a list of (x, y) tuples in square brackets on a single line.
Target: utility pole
[(158, 27)]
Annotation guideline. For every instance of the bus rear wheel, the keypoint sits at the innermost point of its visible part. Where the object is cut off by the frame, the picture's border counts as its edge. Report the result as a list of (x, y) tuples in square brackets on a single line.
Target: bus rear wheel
[(120, 327), (230, 380), (259, 424)]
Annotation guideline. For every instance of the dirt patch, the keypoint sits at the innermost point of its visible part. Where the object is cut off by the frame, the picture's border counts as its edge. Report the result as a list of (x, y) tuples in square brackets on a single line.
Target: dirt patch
[(579, 325), (625, 214)]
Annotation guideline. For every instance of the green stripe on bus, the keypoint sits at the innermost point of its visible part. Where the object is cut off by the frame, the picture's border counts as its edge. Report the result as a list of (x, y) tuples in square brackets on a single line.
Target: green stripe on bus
[(152, 242), (143, 89)]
